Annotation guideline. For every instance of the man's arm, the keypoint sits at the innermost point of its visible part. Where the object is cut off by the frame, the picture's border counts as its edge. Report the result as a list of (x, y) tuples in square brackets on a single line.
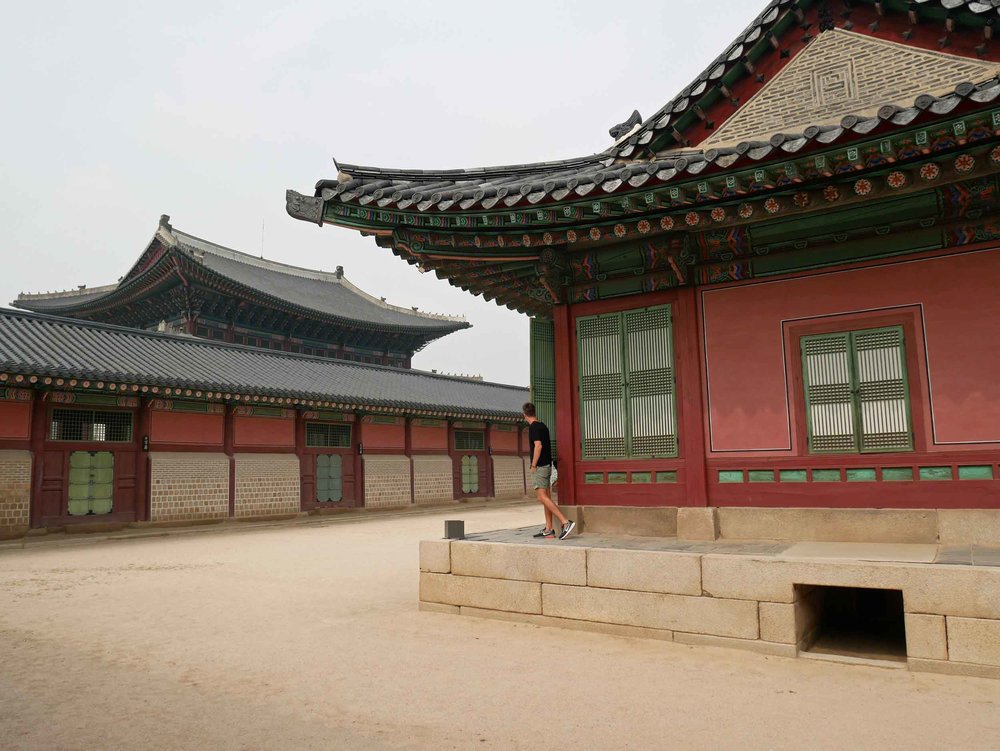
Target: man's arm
[(536, 455)]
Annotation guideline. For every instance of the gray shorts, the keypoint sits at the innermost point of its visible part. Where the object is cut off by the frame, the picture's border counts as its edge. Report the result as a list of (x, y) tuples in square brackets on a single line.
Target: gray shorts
[(542, 476)]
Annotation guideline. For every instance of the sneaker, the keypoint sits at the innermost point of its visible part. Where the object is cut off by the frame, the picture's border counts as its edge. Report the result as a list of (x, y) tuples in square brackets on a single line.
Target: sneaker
[(567, 528), (546, 533)]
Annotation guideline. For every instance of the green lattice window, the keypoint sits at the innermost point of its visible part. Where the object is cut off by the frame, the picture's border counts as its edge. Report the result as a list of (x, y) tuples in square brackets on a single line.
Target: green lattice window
[(91, 483), (329, 477), (328, 435), (857, 394), (470, 440), (627, 397), (90, 425), (543, 376), (470, 474)]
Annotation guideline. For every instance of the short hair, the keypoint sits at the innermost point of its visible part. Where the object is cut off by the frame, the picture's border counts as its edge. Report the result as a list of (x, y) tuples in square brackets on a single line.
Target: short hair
[(528, 409)]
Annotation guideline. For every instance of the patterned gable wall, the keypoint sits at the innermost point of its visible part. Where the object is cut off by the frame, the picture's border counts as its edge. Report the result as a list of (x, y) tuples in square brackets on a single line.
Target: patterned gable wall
[(845, 73)]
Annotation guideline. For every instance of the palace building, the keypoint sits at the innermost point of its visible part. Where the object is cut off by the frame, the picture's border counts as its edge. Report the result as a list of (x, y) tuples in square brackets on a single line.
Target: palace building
[(114, 425), (779, 290), (766, 330), (182, 283)]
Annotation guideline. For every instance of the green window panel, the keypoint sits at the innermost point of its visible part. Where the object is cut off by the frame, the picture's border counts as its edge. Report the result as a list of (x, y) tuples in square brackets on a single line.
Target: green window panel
[(329, 478), (617, 478), (791, 475), (761, 475), (90, 426), (861, 474), (470, 440), (667, 476), (983, 472), (91, 483), (627, 390), (543, 375), (730, 475), (470, 474), (897, 474), (857, 395), (593, 478), (826, 475), (935, 473), (641, 478), (328, 435)]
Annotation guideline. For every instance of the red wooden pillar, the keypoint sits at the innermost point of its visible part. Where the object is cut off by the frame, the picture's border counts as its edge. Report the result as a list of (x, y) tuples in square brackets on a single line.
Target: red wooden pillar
[(566, 417), (300, 452), (687, 358), (359, 463), (228, 443), (408, 450), (39, 426), (488, 445), (142, 487)]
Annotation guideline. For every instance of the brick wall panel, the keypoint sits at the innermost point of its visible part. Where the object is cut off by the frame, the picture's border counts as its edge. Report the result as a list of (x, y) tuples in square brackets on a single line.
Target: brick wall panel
[(15, 492), (267, 485), (387, 481), (188, 486), (508, 476), (432, 479)]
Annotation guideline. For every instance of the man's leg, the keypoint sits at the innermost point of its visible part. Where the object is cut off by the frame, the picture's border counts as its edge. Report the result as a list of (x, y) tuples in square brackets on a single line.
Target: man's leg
[(550, 507), (539, 494)]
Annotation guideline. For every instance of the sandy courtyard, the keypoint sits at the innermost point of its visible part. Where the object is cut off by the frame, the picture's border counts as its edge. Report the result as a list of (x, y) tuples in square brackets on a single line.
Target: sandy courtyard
[(309, 637)]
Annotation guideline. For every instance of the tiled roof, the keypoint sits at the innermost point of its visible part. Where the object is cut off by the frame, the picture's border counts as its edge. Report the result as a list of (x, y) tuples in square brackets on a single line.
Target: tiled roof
[(42, 345), (628, 164), (478, 189), (735, 54), (326, 293)]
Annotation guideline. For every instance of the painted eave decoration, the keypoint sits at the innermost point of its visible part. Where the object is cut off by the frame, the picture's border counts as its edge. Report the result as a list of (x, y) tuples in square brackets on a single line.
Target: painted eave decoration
[(535, 235)]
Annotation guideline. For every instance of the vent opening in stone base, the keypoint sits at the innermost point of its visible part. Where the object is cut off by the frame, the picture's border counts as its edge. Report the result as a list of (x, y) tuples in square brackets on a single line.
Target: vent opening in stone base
[(853, 622)]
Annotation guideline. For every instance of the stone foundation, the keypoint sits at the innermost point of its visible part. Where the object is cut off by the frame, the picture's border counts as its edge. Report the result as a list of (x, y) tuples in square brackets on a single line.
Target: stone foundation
[(267, 485), (432, 479), (188, 486), (863, 525), (508, 477), (15, 492), (387, 481), (764, 604)]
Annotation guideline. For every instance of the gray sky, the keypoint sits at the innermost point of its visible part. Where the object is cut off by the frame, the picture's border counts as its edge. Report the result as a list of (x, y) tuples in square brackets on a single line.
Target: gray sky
[(115, 113)]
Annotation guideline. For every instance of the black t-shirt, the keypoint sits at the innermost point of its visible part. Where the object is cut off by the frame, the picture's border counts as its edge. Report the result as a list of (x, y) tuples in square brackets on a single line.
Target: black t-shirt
[(537, 431)]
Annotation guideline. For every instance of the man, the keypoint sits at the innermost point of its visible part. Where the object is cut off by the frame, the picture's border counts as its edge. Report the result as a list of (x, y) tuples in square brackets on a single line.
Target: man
[(541, 472)]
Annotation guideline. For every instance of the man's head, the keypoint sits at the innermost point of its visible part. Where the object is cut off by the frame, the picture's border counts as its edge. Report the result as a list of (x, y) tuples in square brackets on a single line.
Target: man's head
[(528, 409)]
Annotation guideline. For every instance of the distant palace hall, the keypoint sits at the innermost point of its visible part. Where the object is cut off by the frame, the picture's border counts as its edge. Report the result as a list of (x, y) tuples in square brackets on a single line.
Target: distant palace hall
[(209, 384), (184, 284)]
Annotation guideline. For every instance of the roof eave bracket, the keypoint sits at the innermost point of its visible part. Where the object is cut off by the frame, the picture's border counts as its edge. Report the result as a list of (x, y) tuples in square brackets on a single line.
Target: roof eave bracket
[(306, 208)]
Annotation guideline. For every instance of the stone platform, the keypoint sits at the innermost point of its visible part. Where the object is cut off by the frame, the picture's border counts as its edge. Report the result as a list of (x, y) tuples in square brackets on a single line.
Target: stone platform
[(766, 596)]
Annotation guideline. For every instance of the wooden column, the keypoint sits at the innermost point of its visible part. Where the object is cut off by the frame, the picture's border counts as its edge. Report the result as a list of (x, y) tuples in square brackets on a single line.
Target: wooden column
[(408, 450), (566, 417), (39, 426), (359, 464), (690, 401), (491, 491), (228, 448), (142, 489)]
